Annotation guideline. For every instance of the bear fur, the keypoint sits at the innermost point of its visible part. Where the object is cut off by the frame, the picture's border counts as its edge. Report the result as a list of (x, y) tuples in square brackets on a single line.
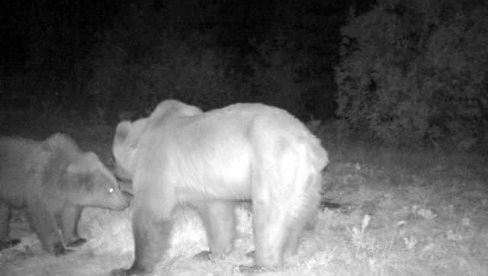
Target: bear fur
[(211, 161), (53, 180)]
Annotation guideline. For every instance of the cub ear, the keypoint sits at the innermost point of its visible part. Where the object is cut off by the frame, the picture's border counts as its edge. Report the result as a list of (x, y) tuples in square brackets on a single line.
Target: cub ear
[(60, 141), (78, 175), (81, 163), (122, 131)]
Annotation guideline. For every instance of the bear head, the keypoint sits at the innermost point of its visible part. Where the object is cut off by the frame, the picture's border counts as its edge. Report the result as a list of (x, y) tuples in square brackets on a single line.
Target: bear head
[(92, 184), (80, 177)]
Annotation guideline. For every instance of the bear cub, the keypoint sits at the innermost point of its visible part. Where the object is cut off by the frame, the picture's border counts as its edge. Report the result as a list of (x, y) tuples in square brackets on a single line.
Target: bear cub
[(53, 180)]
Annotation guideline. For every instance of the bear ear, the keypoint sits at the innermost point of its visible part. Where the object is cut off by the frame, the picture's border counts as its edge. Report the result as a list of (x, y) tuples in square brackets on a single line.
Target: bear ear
[(90, 157), (122, 131), (60, 141), (83, 163), (174, 107)]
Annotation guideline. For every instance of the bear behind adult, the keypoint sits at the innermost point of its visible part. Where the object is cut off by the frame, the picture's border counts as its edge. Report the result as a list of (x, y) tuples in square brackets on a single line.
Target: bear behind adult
[(53, 180)]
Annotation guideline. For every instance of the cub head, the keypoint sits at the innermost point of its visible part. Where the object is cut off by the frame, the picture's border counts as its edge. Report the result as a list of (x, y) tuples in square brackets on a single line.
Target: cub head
[(87, 182)]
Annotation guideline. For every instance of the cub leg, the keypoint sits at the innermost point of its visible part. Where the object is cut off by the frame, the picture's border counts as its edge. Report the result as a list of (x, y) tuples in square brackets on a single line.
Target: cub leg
[(5, 241), (44, 224), (69, 225), (219, 220)]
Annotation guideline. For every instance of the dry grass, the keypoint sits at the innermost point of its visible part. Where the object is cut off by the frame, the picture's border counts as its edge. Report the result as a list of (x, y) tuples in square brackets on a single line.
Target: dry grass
[(405, 212)]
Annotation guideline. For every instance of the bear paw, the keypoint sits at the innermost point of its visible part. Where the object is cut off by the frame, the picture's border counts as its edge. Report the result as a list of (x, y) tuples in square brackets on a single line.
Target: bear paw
[(249, 269), (251, 254), (59, 249), (77, 242), (4, 244), (130, 272), (203, 256), (119, 272)]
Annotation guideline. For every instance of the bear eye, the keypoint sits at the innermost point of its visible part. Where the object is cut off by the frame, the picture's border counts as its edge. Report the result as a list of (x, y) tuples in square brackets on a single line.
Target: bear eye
[(111, 190)]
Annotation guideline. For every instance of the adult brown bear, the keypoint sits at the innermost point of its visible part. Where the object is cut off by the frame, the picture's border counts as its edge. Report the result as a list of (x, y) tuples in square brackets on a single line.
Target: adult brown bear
[(53, 180), (211, 161)]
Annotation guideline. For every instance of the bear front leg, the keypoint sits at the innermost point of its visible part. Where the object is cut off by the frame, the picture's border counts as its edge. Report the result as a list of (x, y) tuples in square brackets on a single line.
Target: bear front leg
[(5, 241), (69, 225), (44, 224), (152, 229), (219, 220)]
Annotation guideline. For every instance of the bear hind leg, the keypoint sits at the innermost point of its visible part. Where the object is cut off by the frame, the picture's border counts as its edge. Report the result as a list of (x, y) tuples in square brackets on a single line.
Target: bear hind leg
[(5, 241), (270, 233), (219, 221), (270, 230), (293, 239), (290, 245), (270, 252), (69, 226), (278, 221), (299, 225)]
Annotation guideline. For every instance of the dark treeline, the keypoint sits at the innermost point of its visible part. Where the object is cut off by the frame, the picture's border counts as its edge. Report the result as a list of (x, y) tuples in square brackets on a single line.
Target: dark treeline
[(399, 70), (55, 51)]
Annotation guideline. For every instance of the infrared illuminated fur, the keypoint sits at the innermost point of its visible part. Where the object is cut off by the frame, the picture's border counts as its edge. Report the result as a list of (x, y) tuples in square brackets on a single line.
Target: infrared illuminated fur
[(212, 160), (53, 180)]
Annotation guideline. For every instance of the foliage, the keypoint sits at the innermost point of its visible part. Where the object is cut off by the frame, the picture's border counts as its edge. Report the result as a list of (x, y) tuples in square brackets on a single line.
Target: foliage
[(149, 57), (104, 60), (294, 62), (415, 69), (188, 70), (274, 75), (138, 64)]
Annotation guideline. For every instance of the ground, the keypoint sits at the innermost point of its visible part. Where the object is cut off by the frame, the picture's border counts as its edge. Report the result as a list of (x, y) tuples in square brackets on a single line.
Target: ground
[(412, 211)]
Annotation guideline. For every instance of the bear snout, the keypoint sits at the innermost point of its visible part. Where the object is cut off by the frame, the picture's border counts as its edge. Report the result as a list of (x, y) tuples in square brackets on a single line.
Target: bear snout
[(125, 186), (121, 201)]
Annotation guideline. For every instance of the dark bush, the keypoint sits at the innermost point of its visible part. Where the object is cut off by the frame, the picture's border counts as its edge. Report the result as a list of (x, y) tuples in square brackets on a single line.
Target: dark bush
[(416, 70), (187, 70)]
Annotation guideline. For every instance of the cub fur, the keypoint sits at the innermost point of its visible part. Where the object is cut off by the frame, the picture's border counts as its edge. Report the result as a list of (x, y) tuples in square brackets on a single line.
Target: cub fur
[(53, 180)]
